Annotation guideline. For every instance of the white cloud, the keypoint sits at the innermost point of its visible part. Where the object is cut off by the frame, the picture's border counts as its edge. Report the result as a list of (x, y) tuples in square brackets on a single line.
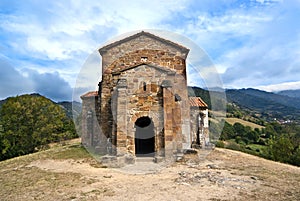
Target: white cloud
[(14, 82), (90, 73), (253, 43), (280, 87), (268, 52), (11, 81), (69, 26)]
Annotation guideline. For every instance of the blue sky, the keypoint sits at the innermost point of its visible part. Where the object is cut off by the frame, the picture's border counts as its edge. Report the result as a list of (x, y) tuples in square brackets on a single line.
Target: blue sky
[(44, 44)]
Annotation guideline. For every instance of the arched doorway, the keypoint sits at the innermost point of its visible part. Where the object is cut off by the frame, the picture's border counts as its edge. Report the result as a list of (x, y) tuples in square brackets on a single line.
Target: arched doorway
[(144, 137)]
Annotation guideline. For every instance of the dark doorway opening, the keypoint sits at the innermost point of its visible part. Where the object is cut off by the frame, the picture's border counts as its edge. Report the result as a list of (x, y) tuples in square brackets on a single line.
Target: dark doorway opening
[(144, 137)]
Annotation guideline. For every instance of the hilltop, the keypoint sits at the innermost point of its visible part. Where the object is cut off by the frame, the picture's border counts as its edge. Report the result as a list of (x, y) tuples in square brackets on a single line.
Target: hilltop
[(70, 173)]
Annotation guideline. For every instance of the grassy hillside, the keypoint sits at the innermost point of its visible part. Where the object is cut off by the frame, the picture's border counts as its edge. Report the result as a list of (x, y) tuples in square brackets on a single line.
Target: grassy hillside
[(232, 121)]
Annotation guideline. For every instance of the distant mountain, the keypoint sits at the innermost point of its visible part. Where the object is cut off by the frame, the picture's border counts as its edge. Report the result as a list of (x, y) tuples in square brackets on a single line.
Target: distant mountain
[(288, 101), (290, 93), (73, 109), (215, 97), (268, 105)]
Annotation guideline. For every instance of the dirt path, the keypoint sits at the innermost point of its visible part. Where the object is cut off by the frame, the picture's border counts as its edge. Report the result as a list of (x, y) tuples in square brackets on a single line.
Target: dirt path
[(223, 175)]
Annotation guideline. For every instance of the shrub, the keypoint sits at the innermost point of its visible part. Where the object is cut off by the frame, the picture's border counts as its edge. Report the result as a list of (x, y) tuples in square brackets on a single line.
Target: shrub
[(233, 146), (220, 144)]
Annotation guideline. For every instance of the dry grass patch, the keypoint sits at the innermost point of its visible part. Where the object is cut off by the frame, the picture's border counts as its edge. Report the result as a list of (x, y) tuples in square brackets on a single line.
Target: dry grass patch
[(243, 122), (67, 173)]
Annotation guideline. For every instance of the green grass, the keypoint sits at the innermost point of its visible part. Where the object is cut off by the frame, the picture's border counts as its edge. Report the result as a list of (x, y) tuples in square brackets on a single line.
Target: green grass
[(70, 151), (253, 149), (259, 150), (76, 151)]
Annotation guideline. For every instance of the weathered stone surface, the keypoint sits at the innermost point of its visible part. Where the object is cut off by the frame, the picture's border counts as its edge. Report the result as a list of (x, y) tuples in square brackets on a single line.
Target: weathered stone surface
[(143, 76)]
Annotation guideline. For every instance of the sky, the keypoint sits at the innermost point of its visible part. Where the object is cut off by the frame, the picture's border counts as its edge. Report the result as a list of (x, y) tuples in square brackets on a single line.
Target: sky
[(45, 44)]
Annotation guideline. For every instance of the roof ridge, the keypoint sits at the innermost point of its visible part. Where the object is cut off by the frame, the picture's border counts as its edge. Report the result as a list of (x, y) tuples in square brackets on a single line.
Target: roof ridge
[(113, 44)]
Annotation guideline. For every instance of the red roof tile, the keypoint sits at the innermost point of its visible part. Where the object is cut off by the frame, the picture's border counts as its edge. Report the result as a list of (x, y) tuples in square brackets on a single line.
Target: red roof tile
[(197, 102), (90, 94)]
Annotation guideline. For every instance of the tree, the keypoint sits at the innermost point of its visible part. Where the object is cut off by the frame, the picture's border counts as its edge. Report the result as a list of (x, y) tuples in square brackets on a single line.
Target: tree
[(296, 157), (227, 132), (239, 129), (29, 122), (252, 136), (270, 131), (281, 149), (257, 130)]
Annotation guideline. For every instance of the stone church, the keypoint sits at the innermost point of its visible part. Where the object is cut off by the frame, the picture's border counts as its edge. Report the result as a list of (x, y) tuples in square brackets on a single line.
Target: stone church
[(142, 107)]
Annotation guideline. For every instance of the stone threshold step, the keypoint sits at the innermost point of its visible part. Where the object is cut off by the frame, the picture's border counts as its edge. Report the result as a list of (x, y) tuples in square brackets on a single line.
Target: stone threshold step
[(144, 159)]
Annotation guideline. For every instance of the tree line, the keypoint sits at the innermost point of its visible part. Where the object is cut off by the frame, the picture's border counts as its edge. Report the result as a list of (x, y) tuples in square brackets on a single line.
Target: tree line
[(275, 141), (29, 123)]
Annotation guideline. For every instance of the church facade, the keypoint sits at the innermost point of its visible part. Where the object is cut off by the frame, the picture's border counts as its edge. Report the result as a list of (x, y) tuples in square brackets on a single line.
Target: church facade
[(142, 107)]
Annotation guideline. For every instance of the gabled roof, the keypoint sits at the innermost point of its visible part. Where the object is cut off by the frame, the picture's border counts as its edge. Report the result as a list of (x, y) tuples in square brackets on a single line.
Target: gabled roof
[(143, 33), (197, 102)]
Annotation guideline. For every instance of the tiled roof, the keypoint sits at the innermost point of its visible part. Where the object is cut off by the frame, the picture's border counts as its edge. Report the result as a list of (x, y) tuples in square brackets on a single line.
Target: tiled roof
[(197, 102), (90, 94)]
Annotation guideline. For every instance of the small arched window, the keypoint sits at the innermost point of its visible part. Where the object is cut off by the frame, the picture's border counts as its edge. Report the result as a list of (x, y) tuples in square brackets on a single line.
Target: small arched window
[(144, 86)]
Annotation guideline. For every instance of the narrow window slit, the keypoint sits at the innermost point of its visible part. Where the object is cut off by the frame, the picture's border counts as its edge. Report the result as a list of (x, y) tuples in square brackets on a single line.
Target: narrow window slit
[(144, 59)]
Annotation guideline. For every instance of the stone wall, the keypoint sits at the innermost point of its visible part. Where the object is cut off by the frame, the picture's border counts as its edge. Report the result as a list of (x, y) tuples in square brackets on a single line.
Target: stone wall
[(160, 59), (142, 42), (144, 97), (199, 125), (144, 76), (91, 132)]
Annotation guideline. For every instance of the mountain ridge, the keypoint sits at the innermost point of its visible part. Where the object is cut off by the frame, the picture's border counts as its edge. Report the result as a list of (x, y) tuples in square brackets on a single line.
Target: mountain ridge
[(295, 93)]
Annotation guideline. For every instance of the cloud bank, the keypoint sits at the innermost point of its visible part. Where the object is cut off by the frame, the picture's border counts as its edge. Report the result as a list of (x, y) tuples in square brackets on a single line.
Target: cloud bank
[(252, 43), (15, 82)]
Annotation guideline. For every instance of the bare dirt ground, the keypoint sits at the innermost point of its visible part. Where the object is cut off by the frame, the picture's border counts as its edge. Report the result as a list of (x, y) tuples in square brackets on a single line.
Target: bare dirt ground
[(223, 175)]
